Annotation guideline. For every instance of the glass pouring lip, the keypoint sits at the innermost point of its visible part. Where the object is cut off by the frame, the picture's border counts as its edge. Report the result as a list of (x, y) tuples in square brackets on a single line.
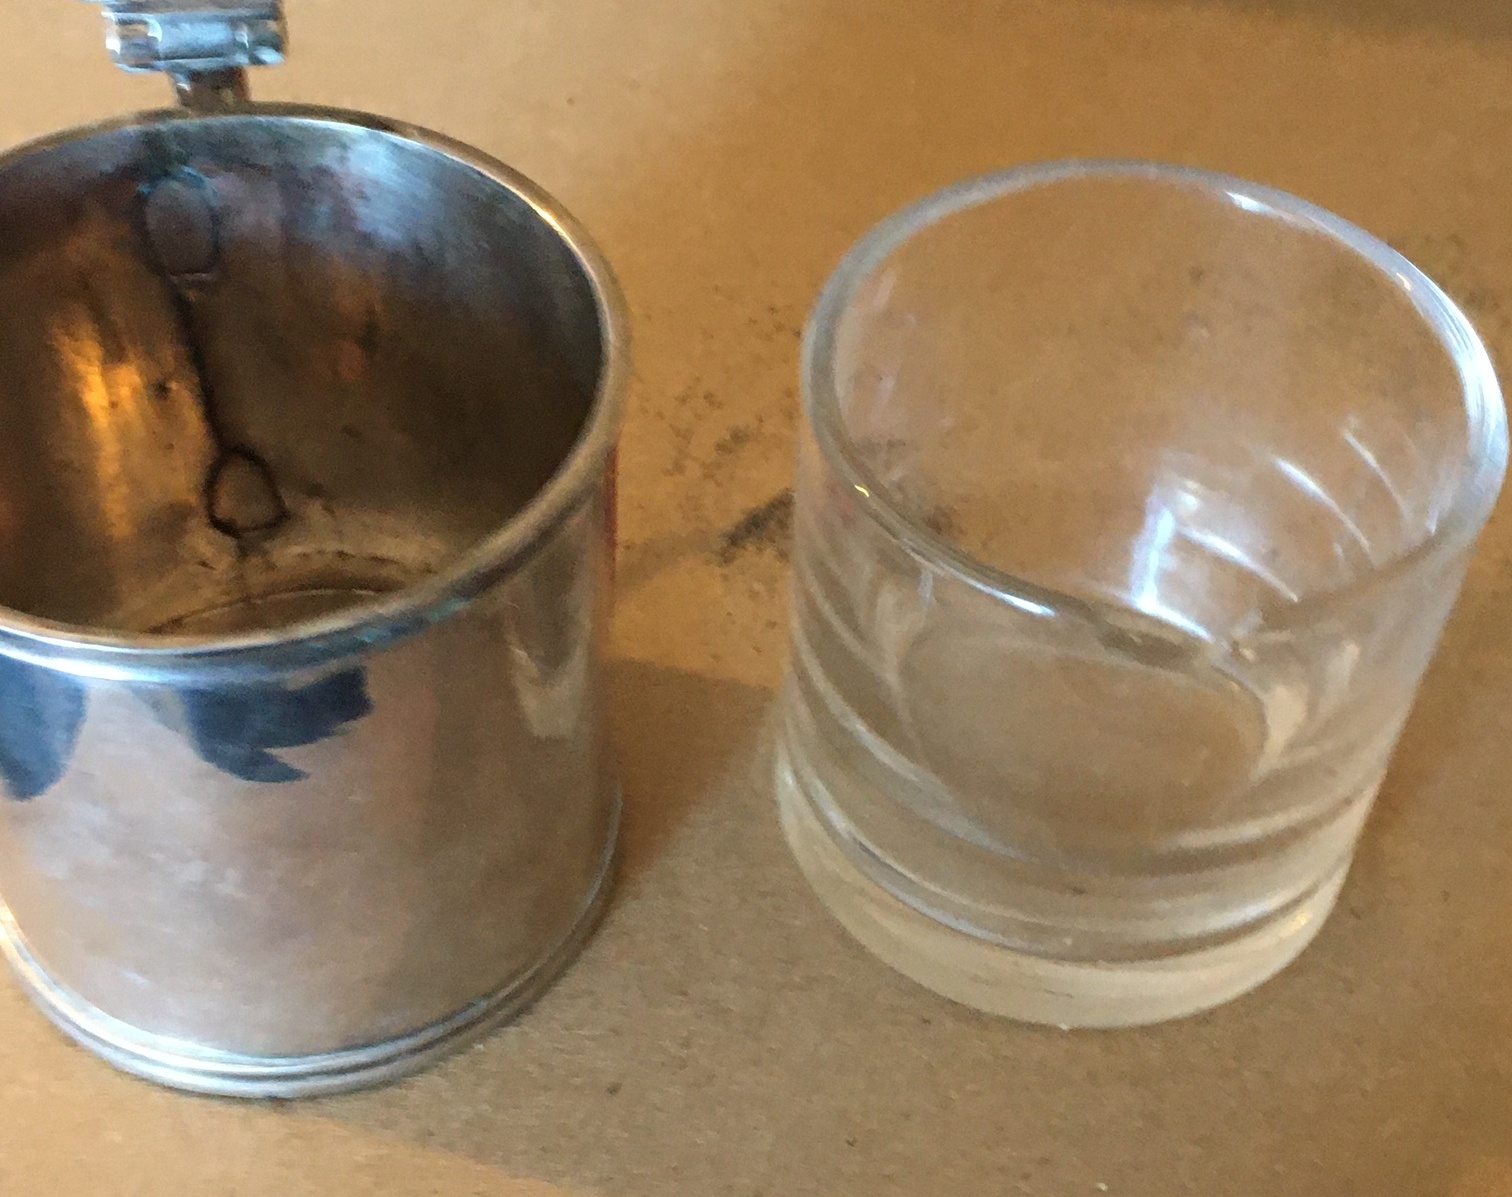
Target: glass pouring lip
[(1485, 413)]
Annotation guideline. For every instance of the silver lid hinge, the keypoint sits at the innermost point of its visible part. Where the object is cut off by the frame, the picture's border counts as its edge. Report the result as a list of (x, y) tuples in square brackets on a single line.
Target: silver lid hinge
[(197, 42)]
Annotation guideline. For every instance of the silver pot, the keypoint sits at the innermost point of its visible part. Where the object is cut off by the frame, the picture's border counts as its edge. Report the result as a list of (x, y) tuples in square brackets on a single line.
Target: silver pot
[(306, 497)]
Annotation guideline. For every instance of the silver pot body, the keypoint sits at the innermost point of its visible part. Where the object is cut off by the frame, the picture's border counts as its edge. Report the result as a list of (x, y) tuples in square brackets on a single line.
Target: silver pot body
[(306, 444)]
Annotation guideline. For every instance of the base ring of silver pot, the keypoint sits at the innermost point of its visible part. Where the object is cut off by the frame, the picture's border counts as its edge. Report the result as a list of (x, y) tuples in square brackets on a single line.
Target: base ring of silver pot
[(183, 1065)]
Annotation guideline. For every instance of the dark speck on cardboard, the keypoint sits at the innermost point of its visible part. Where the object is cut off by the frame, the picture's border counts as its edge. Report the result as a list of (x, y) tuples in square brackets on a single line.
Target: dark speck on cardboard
[(768, 526)]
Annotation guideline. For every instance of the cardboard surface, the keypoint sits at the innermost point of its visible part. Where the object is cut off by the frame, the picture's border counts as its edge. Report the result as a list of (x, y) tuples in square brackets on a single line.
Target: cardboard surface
[(721, 1037)]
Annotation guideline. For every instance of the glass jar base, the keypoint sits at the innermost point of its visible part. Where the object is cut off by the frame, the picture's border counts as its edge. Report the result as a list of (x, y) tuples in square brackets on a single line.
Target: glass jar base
[(988, 976)]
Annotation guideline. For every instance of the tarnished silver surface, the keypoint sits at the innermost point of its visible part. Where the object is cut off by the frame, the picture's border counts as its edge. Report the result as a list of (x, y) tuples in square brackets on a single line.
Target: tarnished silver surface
[(303, 502)]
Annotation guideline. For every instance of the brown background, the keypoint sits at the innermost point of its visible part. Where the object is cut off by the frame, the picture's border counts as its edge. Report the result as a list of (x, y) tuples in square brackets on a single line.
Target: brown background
[(721, 1036)]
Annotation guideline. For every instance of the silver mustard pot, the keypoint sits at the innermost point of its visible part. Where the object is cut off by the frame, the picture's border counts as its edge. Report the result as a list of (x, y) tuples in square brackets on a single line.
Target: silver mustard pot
[(306, 439)]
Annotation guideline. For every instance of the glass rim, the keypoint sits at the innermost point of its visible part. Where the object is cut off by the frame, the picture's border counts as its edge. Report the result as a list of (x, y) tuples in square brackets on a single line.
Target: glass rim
[(1485, 414)]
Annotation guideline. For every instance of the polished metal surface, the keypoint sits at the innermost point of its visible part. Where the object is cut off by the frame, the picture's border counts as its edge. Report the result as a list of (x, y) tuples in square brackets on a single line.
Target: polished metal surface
[(304, 498), (230, 1074)]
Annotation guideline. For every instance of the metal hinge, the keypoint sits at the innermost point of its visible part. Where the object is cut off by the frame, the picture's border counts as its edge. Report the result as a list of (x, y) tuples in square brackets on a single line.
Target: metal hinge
[(205, 45)]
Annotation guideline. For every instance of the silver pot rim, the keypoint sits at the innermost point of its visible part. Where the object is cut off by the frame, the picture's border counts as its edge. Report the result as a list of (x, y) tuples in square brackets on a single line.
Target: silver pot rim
[(376, 622)]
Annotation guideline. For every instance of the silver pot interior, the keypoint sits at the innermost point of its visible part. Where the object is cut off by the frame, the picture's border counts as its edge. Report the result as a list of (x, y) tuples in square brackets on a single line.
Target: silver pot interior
[(256, 367)]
